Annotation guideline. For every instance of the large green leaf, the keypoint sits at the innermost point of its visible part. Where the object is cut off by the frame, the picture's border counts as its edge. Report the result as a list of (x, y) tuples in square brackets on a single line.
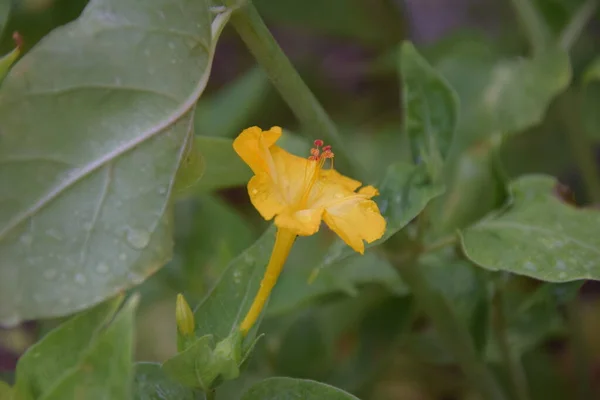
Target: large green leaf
[(95, 121), (48, 360), (404, 193), (537, 235), (151, 383), (105, 369), (503, 96), (290, 388), (431, 108)]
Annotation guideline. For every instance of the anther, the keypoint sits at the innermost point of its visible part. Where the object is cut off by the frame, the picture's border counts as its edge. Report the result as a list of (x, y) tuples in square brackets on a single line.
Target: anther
[(327, 148), (318, 143)]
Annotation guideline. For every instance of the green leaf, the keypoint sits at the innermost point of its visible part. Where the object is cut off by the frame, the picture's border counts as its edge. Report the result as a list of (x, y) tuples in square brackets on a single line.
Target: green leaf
[(190, 170), (503, 96), (225, 113), (151, 383), (6, 391), (537, 235), (290, 388), (95, 121), (226, 305), (196, 366), (431, 108), (105, 369), (404, 193), (591, 99), (592, 73), (296, 287), (61, 350)]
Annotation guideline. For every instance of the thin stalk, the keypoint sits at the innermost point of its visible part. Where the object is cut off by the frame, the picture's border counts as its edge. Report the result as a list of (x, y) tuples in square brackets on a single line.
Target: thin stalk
[(581, 147), (261, 43), (532, 24), (511, 362), (580, 352), (577, 24), (211, 394)]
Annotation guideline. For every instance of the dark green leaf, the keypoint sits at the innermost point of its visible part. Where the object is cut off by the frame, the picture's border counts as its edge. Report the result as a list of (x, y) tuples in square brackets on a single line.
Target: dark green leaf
[(105, 369), (151, 383), (4, 13), (61, 350), (592, 73), (431, 108), (591, 100), (537, 235), (225, 113), (404, 193), (290, 388), (95, 121)]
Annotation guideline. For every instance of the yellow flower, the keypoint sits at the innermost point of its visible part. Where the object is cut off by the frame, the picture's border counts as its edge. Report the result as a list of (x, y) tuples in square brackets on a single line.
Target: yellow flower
[(299, 193)]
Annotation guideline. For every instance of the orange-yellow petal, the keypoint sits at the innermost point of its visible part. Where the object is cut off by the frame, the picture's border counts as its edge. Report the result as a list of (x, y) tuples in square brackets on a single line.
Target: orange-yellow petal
[(304, 222), (330, 175), (355, 219), (265, 195), (252, 145), (368, 192), (293, 175)]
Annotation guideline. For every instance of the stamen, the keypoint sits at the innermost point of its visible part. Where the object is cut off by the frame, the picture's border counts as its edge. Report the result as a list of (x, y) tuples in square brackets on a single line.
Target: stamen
[(318, 143)]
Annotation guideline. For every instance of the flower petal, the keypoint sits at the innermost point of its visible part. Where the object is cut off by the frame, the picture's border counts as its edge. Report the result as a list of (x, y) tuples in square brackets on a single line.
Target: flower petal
[(368, 192), (252, 145), (265, 196), (304, 222), (355, 219), (332, 176), (293, 175)]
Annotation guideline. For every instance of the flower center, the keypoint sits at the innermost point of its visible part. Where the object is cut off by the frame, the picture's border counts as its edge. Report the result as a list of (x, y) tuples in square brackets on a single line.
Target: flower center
[(318, 154)]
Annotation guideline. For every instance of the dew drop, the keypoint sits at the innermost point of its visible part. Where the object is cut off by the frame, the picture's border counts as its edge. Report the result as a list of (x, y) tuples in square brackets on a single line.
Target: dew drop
[(338, 195), (80, 279), (26, 239), (562, 275), (53, 233), (134, 278), (138, 238), (50, 273), (560, 264), (530, 266), (102, 268), (122, 256), (171, 45), (162, 190), (254, 191)]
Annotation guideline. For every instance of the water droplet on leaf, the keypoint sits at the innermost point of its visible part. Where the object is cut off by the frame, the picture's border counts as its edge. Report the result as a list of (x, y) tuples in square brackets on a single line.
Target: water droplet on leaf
[(102, 268), (138, 238)]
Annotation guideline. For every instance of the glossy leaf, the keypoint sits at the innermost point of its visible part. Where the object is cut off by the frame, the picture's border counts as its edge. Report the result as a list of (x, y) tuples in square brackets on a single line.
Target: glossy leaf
[(404, 193), (61, 350), (151, 383), (95, 121), (537, 235), (430, 110), (290, 388), (105, 368)]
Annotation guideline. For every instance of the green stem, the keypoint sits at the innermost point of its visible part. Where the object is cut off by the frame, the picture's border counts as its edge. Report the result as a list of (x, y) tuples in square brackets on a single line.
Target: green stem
[(532, 24), (257, 37), (581, 146), (580, 19), (580, 352), (211, 394), (511, 362), (452, 331)]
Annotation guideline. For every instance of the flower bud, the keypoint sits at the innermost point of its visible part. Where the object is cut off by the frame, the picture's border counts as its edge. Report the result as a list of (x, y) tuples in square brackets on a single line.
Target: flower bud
[(184, 316)]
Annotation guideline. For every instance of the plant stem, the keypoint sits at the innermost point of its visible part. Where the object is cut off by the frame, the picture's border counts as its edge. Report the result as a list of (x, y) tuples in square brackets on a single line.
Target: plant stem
[(581, 147), (512, 362), (580, 353), (257, 37), (573, 30), (452, 331), (211, 394), (532, 23)]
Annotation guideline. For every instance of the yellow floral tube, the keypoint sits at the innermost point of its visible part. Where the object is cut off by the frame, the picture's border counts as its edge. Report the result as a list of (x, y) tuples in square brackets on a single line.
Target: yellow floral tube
[(300, 194), (283, 244)]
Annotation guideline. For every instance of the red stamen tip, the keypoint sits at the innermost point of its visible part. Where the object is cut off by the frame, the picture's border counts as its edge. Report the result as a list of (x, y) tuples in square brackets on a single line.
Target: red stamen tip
[(327, 148), (318, 143)]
